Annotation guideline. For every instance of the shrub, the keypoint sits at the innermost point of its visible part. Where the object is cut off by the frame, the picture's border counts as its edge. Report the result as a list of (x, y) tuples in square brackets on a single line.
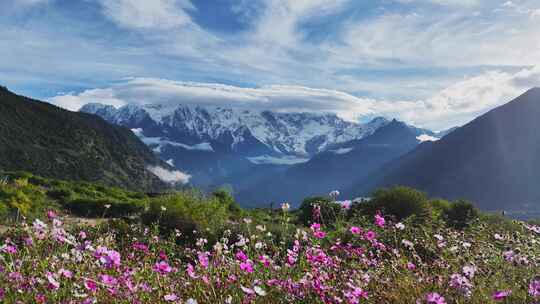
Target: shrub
[(460, 214), (330, 211), (187, 211), (60, 194), (89, 207), (439, 206), (225, 197), (399, 202)]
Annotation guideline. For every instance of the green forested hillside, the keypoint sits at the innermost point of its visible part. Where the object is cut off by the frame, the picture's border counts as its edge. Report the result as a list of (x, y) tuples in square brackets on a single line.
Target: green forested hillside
[(49, 141)]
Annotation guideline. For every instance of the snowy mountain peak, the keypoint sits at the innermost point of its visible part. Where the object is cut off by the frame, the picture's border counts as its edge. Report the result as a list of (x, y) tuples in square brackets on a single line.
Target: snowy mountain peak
[(299, 134)]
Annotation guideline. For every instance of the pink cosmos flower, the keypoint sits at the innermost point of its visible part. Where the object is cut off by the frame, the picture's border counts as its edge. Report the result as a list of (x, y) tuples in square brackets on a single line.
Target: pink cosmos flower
[(356, 230), (162, 268), (319, 234), (90, 285), (370, 235), (51, 214), (10, 249), (170, 297), (379, 220), (265, 260), (108, 280), (40, 298), (140, 247), (241, 256), (501, 295), (315, 227), (191, 271), (203, 259), (82, 235), (65, 273), (109, 258), (345, 204), (435, 298), (411, 266), (534, 288), (247, 266), (53, 283)]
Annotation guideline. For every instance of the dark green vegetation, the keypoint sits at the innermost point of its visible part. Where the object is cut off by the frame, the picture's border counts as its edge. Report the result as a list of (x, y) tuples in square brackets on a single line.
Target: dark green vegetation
[(46, 140), (26, 195)]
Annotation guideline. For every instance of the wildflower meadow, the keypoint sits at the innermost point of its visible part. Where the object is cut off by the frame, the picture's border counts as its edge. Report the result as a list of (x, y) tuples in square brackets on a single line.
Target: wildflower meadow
[(269, 256)]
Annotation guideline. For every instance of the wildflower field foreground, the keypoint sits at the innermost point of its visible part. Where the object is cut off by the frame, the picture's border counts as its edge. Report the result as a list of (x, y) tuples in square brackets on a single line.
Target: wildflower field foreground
[(321, 253)]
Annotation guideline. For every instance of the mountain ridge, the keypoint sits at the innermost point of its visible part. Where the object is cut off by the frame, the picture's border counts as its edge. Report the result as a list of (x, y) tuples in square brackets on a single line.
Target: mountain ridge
[(43, 139), (493, 160)]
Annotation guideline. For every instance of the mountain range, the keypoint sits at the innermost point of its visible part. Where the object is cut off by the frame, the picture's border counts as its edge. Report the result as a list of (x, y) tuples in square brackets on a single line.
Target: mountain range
[(267, 156), (249, 150), (493, 161), (44, 139)]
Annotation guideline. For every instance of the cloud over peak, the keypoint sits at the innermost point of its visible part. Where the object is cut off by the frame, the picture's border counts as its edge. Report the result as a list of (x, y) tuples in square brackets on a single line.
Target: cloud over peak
[(454, 105)]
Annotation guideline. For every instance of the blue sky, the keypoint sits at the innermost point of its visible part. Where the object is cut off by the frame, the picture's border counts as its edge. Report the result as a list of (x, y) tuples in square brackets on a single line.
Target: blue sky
[(433, 63)]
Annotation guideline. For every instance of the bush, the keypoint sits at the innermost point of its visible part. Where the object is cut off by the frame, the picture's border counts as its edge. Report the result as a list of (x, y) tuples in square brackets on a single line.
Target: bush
[(398, 202), (88, 207), (225, 198), (460, 214), (187, 211), (60, 194), (439, 206), (330, 211)]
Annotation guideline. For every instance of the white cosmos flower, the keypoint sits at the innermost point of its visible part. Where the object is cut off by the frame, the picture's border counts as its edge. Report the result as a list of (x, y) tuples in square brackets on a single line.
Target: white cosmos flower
[(259, 291)]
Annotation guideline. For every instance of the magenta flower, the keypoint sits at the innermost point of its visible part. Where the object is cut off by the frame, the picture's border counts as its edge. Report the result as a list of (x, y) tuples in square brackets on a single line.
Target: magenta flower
[(501, 295), (435, 298), (51, 214), (65, 273), (411, 266), (370, 235), (53, 283), (140, 247), (108, 280), (90, 285), (315, 227), (534, 288), (247, 266), (9, 249), (162, 268), (109, 258), (379, 220), (241, 256), (356, 230), (82, 235), (191, 271), (319, 234), (265, 260), (203, 259)]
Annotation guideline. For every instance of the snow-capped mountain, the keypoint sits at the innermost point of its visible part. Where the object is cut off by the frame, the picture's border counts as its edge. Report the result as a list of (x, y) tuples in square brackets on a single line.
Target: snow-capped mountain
[(253, 133)]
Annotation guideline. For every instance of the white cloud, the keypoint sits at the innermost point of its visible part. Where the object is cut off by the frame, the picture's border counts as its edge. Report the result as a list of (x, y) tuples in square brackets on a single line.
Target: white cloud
[(430, 39), (144, 14), (454, 105), (425, 137), (74, 102), (30, 2), (285, 160), (466, 3), (170, 176)]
